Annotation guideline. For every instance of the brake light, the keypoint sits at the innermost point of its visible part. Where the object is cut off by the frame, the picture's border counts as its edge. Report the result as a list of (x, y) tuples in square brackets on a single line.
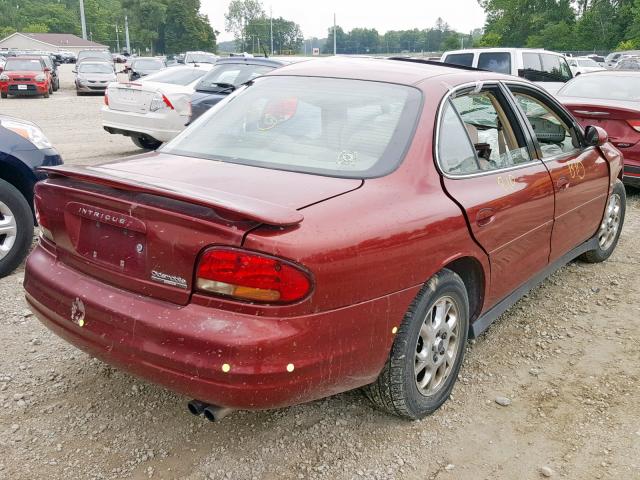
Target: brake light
[(167, 102), (251, 276), (635, 124), (45, 229)]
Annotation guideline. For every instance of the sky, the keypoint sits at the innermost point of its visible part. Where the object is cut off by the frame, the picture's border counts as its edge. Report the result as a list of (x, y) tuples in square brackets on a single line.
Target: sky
[(314, 17)]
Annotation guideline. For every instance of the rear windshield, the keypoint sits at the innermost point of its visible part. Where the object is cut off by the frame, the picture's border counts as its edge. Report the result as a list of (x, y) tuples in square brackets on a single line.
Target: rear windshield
[(200, 58), (499, 62), (176, 75), (23, 65), (587, 63), (327, 126), (464, 59), (148, 64), (235, 74), (95, 68), (606, 87)]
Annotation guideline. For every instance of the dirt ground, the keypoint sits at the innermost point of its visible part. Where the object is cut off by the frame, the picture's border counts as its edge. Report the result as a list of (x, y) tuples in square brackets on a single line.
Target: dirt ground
[(567, 356)]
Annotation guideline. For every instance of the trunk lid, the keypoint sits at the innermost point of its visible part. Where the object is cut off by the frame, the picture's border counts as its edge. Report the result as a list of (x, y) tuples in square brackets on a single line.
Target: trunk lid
[(141, 224), (612, 115)]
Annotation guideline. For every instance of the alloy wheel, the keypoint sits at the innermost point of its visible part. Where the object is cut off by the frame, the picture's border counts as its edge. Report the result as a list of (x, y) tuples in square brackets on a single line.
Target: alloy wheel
[(437, 346), (8, 230), (610, 223)]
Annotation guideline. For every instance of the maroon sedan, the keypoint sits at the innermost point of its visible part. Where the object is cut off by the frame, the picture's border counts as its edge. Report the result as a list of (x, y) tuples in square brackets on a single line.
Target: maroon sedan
[(335, 224), (611, 100)]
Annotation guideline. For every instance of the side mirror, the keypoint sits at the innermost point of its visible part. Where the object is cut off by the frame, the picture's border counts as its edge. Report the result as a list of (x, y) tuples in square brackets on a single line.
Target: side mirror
[(595, 136), (47, 69), (74, 71)]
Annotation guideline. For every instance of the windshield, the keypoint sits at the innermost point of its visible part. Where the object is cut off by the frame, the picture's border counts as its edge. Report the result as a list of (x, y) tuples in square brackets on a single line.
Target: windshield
[(95, 68), (223, 75), (607, 87), (200, 58), (336, 127), (177, 75), (95, 54), (23, 65), (148, 64)]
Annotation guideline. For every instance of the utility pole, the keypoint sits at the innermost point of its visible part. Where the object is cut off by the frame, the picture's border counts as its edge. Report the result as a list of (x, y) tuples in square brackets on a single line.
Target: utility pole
[(271, 27), (126, 34), (117, 39), (334, 33), (82, 20)]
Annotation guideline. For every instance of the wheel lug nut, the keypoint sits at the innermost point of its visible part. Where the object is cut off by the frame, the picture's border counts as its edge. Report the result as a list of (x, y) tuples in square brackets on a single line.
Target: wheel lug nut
[(435, 357)]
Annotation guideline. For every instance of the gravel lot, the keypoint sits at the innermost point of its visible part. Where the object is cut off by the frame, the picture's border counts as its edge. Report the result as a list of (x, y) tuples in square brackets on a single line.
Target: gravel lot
[(566, 357)]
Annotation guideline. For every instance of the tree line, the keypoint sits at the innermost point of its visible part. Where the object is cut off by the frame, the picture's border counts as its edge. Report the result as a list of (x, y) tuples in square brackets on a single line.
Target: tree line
[(368, 41), (564, 25), (155, 26)]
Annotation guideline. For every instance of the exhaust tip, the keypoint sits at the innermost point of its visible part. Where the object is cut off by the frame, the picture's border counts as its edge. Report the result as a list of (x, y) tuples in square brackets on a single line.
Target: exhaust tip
[(196, 407), (215, 414)]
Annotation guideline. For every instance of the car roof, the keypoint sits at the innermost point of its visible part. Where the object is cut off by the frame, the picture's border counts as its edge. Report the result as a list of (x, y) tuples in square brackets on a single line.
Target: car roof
[(382, 70), (506, 49)]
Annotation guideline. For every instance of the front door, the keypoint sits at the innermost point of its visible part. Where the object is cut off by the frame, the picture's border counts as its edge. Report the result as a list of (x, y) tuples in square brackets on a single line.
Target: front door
[(491, 171), (580, 175)]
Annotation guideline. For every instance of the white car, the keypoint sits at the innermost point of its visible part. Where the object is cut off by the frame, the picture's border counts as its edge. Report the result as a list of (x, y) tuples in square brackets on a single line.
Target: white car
[(580, 65), (549, 70), (155, 109)]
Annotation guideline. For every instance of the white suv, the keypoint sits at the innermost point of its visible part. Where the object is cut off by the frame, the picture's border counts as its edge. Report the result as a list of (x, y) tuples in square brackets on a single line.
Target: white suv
[(548, 69)]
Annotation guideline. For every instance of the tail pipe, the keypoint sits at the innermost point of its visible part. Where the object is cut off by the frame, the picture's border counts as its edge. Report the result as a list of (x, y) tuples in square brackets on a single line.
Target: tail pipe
[(212, 413)]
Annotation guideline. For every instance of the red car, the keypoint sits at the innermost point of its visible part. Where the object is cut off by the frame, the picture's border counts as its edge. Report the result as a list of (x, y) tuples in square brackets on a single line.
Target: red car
[(334, 224), (25, 76), (611, 100)]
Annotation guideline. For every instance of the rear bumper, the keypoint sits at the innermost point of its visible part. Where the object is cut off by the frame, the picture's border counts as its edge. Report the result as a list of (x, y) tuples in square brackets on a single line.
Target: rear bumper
[(185, 348), (163, 125)]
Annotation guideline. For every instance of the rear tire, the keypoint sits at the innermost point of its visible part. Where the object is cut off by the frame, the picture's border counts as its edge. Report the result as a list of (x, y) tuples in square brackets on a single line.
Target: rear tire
[(146, 143), (16, 228), (427, 351), (610, 227)]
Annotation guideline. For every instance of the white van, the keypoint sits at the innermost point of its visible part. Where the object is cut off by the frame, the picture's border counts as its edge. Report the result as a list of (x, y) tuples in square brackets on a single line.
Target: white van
[(548, 69)]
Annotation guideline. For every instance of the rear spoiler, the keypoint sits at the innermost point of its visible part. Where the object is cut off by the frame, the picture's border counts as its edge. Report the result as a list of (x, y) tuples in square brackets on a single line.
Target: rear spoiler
[(246, 207)]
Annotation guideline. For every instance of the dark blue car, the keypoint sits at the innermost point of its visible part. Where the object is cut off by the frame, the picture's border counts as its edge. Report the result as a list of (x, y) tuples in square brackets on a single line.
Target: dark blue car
[(23, 148), (226, 76)]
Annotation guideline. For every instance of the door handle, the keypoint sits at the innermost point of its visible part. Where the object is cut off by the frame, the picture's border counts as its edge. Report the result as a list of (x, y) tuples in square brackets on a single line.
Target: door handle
[(562, 184), (485, 216)]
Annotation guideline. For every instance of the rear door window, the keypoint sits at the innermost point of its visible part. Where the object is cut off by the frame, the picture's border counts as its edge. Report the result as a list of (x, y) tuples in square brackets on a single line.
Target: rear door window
[(499, 62), (545, 67), (464, 59), (489, 125)]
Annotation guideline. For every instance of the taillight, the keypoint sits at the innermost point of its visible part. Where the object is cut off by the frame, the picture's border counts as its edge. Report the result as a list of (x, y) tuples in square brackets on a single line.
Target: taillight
[(106, 98), (167, 102), (45, 229), (635, 124), (251, 276)]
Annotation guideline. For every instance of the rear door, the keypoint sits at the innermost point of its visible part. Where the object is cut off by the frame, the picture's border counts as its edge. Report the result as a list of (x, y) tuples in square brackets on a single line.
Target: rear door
[(506, 193), (580, 174)]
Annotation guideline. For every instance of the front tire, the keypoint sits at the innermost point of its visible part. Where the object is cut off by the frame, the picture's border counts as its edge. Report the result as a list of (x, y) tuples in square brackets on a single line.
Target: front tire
[(146, 143), (3, 95), (610, 227), (427, 351), (16, 228)]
